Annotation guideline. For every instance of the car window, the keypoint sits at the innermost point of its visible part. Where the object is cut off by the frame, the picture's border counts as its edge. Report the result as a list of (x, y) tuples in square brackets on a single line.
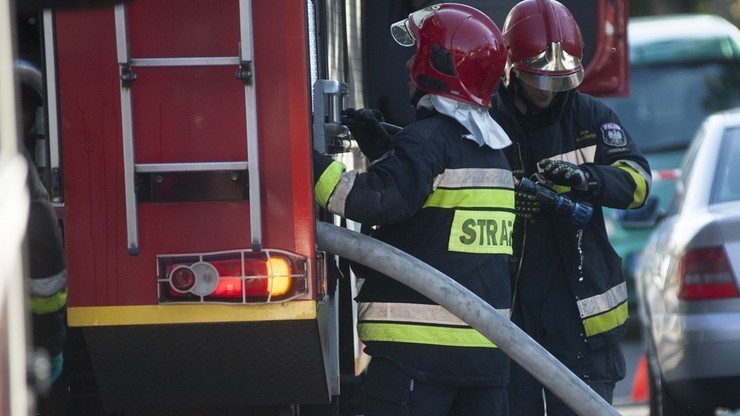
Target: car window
[(687, 169), (667, 102), (683, 50), (727, 186)]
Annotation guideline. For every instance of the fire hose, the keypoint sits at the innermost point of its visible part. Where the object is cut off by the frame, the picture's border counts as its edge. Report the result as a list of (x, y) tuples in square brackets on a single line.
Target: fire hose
[(441, 289)]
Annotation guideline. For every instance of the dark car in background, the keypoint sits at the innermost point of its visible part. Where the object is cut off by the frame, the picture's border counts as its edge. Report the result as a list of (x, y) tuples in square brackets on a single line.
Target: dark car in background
[(682, 68), (688, 281)]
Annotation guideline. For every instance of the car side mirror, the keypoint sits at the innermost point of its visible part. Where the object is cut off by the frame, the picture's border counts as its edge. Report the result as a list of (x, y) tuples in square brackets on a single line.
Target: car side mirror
[(644, 217)]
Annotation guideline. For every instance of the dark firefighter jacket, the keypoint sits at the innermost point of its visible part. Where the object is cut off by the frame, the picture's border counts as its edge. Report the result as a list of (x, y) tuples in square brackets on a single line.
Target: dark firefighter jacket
[(47, 272), (581, 130), (448, 202)]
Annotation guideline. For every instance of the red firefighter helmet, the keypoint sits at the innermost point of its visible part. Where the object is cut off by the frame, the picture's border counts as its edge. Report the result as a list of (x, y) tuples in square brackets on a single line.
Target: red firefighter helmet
[(460, 52), (544, 45)]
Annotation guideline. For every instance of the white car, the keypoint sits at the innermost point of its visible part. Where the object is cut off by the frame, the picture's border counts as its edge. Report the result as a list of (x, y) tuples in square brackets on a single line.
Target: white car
[(682, 69), (687, 280)]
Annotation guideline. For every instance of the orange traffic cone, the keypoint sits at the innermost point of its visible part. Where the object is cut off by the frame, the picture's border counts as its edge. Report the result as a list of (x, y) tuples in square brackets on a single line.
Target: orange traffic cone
[(640, 382)]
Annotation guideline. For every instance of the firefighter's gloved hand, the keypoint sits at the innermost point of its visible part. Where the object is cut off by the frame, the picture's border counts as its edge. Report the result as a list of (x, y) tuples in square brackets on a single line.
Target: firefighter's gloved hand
[(565, 173), (364, 124), (525, 205)]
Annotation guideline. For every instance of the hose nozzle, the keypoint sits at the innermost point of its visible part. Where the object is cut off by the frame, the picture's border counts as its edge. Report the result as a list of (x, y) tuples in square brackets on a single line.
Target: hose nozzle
[(578, 213)]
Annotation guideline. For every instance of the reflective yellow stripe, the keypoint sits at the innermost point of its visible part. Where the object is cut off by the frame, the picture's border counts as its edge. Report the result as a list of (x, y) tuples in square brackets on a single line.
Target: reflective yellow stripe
[(482, 232), (606, 321), (327, 182), (423, 334), (43, 305), (471, 198), (185, 314), (638, 198)]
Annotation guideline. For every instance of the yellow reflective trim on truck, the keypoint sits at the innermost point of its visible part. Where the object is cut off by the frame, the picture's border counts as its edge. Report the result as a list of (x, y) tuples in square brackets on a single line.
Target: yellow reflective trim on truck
[(423, 334), (186, 314)]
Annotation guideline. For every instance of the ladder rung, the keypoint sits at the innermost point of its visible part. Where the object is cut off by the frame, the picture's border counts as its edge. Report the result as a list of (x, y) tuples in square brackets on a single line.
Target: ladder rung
[(195, 61), (190, 167)]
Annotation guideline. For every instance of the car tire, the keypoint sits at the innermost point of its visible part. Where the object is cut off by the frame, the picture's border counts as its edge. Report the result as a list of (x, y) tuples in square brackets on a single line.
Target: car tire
[(662, 402)]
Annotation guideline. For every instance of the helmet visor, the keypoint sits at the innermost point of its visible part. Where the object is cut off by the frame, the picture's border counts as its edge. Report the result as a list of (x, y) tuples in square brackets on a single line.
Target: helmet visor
[(553, 59), (550, 82), (402, 32), (552, 70)]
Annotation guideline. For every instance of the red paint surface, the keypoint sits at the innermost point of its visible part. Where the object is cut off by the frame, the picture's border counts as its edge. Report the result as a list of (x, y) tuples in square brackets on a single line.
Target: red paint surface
[(194, 114)]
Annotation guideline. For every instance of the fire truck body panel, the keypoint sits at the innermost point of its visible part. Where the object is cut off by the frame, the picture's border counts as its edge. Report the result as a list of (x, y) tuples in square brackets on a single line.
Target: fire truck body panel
[(182, 115), (151, 345)]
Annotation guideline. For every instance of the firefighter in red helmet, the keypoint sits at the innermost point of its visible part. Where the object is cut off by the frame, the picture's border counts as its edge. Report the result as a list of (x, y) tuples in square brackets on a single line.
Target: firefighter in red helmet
[(427, 194), (570, 293)]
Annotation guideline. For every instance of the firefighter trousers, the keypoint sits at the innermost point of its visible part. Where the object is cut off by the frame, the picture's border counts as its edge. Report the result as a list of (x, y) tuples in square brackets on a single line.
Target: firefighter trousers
[(391, 392)]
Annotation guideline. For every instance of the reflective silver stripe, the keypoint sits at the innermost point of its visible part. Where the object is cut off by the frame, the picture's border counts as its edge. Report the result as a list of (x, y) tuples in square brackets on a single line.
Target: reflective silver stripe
[(474, 177), (411, 312), (579, 156), (338, 199), (603, 302), (648, 178), (48, 286)]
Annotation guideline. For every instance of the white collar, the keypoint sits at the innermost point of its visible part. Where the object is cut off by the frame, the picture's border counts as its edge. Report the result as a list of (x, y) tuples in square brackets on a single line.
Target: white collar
[(483, 129)]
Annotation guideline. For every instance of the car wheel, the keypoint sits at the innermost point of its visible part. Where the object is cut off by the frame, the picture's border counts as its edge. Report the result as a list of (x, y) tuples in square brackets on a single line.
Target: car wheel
[(662, 402)]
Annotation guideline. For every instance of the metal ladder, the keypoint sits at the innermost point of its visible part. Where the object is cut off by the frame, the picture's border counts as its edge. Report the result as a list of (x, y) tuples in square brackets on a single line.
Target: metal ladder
[(245, 72)]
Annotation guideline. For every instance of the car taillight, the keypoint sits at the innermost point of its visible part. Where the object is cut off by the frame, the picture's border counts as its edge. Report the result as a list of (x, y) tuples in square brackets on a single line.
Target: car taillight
[(705, 273), (242, 276)]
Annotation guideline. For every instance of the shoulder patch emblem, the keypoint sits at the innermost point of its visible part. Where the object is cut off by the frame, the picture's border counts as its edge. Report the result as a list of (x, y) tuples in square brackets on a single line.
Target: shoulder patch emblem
[(613, 135)]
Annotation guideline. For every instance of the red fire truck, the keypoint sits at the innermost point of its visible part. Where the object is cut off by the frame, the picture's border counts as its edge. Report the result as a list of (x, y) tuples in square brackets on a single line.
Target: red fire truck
[(177, 148)]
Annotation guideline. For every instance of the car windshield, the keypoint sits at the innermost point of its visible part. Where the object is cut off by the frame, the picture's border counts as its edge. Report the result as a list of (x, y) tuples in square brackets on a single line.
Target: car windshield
[(726, 186), (668, 102)]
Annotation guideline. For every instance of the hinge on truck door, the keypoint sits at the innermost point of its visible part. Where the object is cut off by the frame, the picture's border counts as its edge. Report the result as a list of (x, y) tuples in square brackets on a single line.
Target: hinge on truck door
[(127, 76), (244, 73)]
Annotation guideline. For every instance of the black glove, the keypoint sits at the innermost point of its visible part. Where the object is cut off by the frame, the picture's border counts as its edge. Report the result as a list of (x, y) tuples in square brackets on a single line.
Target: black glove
[(364, 124), (320, 163), (525, 205), (565, 173)]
